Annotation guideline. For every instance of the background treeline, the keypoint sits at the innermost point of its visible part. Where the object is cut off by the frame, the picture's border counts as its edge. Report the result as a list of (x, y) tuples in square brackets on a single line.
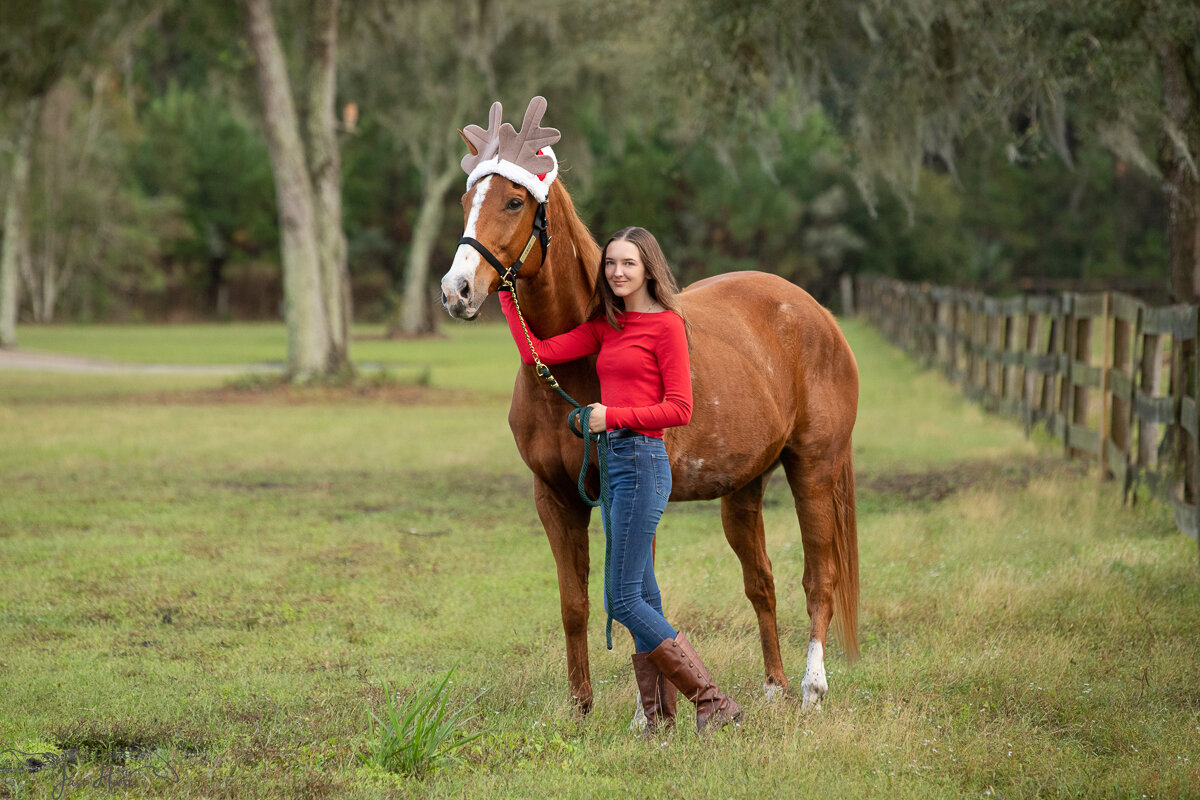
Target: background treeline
[(740, 132)]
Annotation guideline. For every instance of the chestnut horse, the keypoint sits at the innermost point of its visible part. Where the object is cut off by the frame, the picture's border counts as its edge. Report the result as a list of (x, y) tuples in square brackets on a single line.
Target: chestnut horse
[(774, 383)]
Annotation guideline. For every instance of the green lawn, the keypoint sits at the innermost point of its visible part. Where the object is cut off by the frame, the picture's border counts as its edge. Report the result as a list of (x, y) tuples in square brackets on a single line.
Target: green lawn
[(227, 584)]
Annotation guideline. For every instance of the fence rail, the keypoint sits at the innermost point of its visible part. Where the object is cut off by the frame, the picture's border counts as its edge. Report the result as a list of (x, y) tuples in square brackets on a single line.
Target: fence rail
[(1111, 378)]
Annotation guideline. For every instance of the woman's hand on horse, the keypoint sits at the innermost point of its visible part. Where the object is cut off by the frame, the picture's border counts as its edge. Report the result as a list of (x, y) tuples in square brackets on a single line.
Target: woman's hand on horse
[(596, 422)]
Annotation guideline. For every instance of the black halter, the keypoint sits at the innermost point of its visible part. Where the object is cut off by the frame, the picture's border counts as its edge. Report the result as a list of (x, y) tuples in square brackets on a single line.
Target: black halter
[(538, 234)]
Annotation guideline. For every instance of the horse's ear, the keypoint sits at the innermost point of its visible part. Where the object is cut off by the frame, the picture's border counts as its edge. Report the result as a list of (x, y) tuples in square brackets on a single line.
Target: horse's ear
[(470, 146)]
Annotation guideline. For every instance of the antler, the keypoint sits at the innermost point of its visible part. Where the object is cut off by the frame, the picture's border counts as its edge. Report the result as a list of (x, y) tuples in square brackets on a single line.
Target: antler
[(501, 140), (522, 148), (483, 144)]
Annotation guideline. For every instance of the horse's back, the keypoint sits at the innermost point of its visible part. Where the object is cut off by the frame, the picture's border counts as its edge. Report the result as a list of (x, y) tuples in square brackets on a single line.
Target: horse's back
[(770, 317)]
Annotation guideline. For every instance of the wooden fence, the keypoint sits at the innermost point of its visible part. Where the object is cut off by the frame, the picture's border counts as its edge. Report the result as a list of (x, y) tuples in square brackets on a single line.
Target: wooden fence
[(1111, 378)]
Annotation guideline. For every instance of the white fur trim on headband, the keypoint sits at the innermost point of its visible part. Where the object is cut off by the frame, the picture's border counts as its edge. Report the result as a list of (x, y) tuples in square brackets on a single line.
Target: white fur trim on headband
[(540, 189)]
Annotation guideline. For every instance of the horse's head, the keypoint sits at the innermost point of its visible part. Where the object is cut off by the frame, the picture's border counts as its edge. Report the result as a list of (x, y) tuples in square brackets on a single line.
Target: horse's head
[(499, 215), (509, 178)]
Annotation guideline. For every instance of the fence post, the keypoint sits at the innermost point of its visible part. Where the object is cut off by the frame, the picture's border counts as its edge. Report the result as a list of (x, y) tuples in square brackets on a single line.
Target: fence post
[(971, 343), (963, 321), (1052, 381), (941, 332), (928, 325), (1187, 518), (1176, 386), (1105, 388), (1080, 354), (1126, 323), (954, 302), (1151, 386), (1066, 395), (1081, 439), (1010, 394), (1028, 374), (993, 346), (1121, 361)]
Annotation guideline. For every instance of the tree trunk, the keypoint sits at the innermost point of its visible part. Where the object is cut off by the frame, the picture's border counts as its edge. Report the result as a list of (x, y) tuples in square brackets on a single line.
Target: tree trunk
[(1181, 101), (217, 293), (309, 351), (325, 170), (51, 282), (1180, 179), (414, 316), (37, 267), (16, 224)]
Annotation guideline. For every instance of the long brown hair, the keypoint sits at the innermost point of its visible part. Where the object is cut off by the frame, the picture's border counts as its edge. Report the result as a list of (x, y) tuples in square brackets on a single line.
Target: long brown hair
[(659, 279)]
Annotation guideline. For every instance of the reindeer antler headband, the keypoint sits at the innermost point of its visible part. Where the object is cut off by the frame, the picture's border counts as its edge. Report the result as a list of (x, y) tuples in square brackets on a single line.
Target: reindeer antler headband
[(524, 158)]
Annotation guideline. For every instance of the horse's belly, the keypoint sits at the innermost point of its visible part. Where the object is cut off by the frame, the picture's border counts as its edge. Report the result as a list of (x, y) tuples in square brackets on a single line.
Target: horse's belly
[(716, 454)]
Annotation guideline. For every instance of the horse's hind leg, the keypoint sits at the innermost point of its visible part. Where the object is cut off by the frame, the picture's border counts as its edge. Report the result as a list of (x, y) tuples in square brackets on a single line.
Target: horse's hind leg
[(742, 518), (813, 483)]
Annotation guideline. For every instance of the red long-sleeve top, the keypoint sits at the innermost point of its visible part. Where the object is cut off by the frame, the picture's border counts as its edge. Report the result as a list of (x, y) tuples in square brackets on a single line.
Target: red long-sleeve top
[(645, 374)]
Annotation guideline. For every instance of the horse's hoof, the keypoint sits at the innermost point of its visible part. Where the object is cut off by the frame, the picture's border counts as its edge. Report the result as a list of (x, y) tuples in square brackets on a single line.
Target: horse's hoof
[(815, 684), (582, 704), (773, 691), (638, 723), (813, 690)]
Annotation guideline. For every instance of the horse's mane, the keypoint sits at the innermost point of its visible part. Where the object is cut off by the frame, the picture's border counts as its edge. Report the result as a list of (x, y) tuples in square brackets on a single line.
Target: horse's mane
[(569, 231)]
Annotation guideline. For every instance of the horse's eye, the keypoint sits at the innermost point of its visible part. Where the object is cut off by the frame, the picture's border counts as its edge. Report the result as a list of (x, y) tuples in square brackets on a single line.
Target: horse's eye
[(515, 203)]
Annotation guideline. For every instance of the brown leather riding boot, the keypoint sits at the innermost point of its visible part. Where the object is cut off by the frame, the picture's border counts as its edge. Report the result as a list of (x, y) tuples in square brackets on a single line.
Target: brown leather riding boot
[(658, 694), (680, 665)]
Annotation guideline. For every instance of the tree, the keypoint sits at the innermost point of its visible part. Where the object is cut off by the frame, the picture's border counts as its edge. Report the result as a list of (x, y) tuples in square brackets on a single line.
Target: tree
[(442, 63), (307, 188), (15, 251), (325, 170), (197, 147), (908, 82), (91, 228), (39, 43), (433, 80)]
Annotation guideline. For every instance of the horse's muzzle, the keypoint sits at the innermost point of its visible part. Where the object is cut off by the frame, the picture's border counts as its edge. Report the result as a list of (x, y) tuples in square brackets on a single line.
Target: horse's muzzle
[(458, 298), (459, 309)]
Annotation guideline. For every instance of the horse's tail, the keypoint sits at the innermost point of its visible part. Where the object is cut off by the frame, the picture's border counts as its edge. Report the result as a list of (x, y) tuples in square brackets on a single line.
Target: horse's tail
[(845, 555)]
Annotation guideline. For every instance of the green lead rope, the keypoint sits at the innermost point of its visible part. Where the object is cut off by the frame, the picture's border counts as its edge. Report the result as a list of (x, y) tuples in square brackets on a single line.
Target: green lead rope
[(577, 422)]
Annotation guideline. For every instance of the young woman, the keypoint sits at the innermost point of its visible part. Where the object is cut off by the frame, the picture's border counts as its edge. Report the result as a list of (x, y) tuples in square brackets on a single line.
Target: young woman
[(645, 385)]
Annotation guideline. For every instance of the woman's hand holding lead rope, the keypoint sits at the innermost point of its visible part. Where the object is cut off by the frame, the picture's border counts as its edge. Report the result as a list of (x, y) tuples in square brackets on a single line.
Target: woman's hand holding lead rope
[(598, 418)]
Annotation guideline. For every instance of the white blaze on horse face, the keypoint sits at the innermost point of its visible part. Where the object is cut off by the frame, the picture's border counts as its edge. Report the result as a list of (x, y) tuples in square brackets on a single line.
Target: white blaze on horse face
[(814, 686), (466, 258)]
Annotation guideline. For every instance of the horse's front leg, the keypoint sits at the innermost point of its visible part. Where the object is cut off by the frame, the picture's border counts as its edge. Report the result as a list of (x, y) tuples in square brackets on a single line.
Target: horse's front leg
[(565, 519)]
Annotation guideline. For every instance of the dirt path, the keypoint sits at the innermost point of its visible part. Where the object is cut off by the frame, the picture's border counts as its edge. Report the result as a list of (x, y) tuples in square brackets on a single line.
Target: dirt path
[(53, 362)]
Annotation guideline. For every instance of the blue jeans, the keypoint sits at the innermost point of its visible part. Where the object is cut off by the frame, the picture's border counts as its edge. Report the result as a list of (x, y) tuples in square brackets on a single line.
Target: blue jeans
[(639, 477)]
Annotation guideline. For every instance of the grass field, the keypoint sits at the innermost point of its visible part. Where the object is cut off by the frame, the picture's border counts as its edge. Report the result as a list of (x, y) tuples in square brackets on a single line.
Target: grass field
[(223, 580)]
